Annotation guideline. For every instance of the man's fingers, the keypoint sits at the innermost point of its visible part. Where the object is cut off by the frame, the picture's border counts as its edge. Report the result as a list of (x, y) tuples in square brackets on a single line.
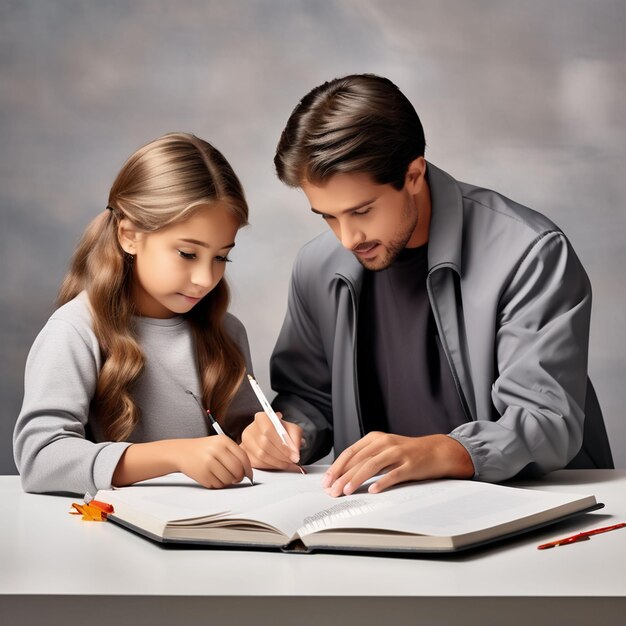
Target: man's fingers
[(295, 435), (351, 457), (356, 476), (366, 470), (272, 443), (390, 479), (267, 457), (261, 441)]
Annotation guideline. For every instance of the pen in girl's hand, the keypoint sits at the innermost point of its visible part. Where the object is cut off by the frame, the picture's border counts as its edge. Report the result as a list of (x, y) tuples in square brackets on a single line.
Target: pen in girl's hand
[(214, 423)]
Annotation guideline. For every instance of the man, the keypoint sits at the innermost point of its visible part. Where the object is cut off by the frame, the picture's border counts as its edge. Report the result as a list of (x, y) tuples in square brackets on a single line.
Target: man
[(440, 329)]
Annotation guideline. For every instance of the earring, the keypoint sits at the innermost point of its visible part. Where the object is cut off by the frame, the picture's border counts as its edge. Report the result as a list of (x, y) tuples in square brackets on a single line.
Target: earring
[(129, 258)]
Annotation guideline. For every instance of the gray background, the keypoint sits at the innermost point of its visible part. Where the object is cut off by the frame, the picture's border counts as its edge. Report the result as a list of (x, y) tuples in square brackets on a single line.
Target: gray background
[(524, 97)]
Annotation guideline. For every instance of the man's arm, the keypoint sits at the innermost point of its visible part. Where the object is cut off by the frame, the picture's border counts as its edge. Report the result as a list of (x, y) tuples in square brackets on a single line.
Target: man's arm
[(300, 374), (541, 355)]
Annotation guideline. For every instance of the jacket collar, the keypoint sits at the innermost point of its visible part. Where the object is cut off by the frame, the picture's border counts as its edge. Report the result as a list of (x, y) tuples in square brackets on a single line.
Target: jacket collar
[(446, 229), (446, 221)]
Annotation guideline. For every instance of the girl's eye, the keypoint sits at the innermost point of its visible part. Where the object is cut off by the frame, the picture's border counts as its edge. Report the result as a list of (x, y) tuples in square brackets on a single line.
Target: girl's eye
[(222, 259), (189, 256)]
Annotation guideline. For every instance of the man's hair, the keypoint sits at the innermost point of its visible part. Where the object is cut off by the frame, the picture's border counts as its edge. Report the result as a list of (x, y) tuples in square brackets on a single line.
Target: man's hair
[(360, 123)]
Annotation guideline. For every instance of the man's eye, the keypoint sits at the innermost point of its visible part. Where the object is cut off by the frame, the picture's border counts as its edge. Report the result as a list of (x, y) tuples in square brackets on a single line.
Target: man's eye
[(190, 256), (363, 211)]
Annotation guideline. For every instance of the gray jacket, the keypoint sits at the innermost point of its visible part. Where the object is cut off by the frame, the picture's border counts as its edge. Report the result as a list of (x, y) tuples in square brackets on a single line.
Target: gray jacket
[(512, 305)]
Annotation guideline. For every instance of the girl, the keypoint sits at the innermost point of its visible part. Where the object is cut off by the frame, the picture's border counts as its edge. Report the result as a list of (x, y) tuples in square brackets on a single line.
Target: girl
[(142, 328)]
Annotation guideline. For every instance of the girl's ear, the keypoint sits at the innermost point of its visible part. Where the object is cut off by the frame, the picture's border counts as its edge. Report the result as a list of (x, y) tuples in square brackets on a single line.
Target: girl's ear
[(128, 235)]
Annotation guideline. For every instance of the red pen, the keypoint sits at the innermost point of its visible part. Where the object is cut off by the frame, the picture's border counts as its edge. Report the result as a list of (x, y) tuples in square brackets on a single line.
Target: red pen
[(584, 536)]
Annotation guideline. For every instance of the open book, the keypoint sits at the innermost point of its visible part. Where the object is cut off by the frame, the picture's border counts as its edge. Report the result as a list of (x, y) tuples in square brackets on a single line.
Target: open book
[(292, 512)]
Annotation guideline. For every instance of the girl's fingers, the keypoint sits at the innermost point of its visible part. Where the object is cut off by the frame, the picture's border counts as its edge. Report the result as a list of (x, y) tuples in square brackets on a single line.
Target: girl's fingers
[(242, 458)]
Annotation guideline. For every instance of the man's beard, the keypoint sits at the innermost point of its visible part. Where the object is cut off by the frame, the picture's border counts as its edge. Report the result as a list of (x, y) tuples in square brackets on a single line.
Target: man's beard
[(393, 249)]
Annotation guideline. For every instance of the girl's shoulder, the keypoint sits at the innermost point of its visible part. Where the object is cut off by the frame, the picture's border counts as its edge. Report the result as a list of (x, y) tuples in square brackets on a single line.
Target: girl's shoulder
[(71, 319), (76, 312), (69, 330)]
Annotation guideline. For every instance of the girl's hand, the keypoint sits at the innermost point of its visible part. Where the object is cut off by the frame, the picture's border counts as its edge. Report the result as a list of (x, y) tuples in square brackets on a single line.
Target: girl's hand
[(265, 448), (214, 462)]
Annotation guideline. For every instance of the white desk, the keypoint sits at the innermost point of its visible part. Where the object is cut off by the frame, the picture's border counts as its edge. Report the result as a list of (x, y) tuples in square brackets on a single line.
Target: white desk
[(57, 569)]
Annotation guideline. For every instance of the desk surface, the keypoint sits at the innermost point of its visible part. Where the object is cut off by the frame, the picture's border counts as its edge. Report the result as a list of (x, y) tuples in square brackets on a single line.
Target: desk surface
[(48, 557)]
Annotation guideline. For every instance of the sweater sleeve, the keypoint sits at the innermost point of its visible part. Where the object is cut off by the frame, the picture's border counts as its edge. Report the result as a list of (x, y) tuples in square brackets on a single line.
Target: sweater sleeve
[(50, 443)]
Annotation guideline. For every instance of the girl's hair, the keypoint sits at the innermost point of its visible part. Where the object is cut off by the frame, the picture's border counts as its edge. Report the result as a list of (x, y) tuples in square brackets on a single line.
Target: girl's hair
[(360, 123), (161, 184)]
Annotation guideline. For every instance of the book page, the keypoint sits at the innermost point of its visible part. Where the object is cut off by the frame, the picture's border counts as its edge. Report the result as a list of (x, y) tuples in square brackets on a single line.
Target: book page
[(297, 505), (278, 499), (443, 508)]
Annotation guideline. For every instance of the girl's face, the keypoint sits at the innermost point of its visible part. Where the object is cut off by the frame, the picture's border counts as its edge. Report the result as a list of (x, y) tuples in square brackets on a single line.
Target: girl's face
[(177, 266)]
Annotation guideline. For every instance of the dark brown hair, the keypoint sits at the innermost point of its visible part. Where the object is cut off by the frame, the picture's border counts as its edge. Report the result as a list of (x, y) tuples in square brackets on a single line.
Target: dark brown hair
[(360, 123)]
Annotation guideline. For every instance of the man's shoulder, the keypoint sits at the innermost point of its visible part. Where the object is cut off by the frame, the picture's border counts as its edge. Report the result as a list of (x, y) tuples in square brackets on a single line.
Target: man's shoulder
[(319, 262), (324, 242), (234, 327), (322, 254), (483, 202)]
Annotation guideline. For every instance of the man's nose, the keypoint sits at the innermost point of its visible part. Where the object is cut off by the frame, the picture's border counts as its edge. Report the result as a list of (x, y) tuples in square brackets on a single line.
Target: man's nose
[(350, 237)]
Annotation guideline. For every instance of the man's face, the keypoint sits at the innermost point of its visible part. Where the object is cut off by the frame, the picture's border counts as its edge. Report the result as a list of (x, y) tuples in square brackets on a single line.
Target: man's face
[(375, 222)]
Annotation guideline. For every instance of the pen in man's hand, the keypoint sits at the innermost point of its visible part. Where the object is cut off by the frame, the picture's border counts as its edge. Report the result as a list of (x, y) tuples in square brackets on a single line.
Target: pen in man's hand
[(214, 423), (278, 425)]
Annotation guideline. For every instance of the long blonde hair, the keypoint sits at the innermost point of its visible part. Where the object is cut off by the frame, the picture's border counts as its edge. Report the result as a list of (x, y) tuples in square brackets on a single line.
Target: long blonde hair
[(162, 183)]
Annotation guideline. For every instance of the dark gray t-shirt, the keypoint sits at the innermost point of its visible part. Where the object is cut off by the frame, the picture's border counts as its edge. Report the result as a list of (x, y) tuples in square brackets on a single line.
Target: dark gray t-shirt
[(405, 383)]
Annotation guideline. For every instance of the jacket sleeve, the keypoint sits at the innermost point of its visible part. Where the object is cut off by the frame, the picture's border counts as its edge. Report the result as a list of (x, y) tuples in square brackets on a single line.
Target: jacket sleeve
[(300, 373), (50, 445), (244, 403), (541, 349)]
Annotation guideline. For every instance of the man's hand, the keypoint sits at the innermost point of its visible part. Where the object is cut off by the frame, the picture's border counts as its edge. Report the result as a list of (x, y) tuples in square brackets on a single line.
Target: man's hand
[(401, 459), (265, 448)]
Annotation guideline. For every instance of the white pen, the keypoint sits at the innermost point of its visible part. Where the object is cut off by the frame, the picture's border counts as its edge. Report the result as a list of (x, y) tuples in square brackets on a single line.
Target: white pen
[(276, 422)]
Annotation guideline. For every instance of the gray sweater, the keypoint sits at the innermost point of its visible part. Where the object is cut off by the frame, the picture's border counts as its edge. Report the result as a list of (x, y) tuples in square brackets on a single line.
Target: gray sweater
[(59, 446)]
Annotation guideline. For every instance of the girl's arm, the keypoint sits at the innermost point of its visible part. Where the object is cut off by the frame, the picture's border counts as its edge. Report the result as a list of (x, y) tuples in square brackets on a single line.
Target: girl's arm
[(213, 462), (51, 449)]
